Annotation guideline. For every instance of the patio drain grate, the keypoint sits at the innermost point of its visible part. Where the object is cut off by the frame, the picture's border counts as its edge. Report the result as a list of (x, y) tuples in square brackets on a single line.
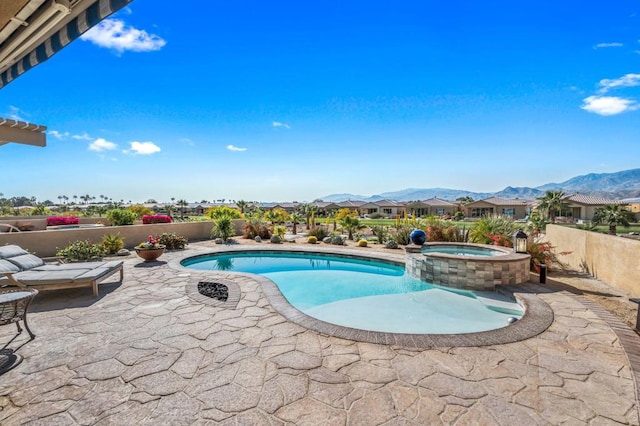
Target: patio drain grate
[(214, 290)]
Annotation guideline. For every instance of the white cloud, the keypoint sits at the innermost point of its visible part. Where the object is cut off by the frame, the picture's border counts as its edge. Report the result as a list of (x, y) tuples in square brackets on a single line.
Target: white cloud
[(82, 137), (235, 148), (187, 141), (56, 134), (627, 80), (115, 34), (144, 148), (102, 144), (279, 124), (601, 45), (608, 105), (15, 113)]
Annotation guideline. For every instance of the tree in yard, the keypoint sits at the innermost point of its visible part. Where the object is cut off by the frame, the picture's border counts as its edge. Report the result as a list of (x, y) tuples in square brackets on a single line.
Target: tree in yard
[(182, 203), (552, 203), (295, 218), (613, 215), (351, 224), (242, 205)]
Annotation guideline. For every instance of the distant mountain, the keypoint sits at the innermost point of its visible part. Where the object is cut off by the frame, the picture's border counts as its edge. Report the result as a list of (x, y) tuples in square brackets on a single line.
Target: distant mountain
[(616, 186), (519, 192), (603, 182), (336, 198)]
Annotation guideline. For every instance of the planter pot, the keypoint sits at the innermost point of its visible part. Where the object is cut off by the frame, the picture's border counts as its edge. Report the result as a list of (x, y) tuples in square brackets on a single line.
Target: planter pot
[(149, 255)]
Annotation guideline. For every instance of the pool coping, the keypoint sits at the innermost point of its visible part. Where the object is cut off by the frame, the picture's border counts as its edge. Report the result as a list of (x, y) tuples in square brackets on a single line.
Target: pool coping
[(537, 318)]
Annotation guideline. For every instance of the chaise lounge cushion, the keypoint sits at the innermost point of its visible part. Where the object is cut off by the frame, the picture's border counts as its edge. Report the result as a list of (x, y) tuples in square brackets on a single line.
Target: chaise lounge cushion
[(22, 268), (26, 261), (20, 257), (11, 251), (6, 266)]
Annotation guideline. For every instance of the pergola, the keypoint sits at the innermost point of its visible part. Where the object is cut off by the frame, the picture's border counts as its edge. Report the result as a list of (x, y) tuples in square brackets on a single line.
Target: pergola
[(32, 31)]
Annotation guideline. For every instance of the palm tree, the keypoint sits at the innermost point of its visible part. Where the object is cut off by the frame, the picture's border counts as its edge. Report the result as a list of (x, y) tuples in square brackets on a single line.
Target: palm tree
[(309, 211), (613, 215), (271, 216), (182, 203), (295, 218), (242, 205), (351, 224), (551, 203)]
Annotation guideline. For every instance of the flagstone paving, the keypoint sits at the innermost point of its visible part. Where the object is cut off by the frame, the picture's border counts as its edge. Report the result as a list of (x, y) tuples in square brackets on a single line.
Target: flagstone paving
[(145, 352)]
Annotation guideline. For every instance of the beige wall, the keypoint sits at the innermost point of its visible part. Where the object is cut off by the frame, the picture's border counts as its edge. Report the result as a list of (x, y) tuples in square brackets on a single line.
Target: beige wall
[(39, 223), (614, 260), (46, 243)]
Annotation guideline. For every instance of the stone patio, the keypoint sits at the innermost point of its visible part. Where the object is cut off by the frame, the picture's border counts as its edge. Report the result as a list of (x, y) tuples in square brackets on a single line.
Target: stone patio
[(146, 352)]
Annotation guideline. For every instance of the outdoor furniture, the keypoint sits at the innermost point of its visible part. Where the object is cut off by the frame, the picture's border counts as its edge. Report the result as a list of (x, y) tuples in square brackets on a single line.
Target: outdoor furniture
[(21, 268), (14, 304)]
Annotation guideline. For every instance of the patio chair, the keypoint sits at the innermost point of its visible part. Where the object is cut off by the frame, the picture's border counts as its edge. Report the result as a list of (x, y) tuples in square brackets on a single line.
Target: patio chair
[(21, 268)]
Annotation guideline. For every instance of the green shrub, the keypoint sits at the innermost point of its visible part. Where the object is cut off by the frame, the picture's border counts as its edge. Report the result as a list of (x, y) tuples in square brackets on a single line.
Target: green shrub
[(139, 210), (319, 232), (112, 243), (494, 229), (543, 253), (223, 228), (120, 217), (217, 212), (172, 241), (376, 215), (279, 230), (381, 232), (81, 251), (312, 239), (362, 243), (402, 235)]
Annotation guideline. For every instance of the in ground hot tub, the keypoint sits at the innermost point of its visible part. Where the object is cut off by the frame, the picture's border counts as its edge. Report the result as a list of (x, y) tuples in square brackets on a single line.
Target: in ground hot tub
[(468, 266)]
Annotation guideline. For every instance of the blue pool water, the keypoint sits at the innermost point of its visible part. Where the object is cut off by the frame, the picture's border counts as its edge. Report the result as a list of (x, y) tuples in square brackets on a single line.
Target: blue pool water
[(462, 251), (367, 294)]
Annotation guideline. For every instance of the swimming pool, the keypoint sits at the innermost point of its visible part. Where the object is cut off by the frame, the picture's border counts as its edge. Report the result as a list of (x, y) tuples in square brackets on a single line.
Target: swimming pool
[(367, 294), (462, 250)]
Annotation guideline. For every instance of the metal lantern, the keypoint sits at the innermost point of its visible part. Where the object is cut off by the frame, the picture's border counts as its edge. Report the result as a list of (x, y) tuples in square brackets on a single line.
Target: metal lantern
[(520, 242)]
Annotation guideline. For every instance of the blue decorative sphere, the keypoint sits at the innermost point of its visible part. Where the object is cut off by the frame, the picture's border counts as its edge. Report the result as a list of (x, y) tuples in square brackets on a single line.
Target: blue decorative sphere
[(418, 237)]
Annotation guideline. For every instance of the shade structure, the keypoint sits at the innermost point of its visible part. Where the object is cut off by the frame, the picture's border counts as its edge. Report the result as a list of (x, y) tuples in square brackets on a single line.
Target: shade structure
[(22, 132), (35, 30)]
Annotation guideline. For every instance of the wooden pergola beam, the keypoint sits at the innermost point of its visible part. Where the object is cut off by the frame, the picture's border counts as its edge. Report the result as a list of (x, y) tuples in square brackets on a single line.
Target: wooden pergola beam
[(22, 132)]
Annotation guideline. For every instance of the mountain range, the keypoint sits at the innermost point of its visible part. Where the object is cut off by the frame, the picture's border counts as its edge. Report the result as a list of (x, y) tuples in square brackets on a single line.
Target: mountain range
[(614, 186)]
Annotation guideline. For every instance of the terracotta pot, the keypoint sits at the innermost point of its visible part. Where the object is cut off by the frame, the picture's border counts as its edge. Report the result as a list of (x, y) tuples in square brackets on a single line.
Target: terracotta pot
[(150, 255)]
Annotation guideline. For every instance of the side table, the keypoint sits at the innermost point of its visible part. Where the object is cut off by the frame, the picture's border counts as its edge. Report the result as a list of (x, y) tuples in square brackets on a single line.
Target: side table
[(13, 307)]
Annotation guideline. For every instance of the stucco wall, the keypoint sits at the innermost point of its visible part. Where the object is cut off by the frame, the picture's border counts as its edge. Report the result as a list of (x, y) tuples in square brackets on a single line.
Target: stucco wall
[(46, 243), (614, 260), (39, 223)]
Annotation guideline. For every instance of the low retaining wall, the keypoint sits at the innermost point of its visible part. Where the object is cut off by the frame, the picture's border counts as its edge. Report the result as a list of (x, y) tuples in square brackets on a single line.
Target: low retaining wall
[(39, 223), (481, 273), (609, 258), (46, 243)]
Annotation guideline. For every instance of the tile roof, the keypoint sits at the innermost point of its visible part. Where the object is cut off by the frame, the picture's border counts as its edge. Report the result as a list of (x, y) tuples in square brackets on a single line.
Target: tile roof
[(350, 203), (590, 200), (497, 201), (438, 202)]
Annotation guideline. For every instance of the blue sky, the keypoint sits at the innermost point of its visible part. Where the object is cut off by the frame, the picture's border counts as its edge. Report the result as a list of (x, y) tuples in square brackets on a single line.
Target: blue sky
[(284, 100)]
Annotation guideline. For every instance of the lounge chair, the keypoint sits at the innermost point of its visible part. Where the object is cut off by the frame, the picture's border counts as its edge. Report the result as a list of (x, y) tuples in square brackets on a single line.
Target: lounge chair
[(21, 268)]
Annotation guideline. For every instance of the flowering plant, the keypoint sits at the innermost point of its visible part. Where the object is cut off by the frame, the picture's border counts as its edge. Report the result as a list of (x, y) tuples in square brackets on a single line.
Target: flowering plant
[(156, 218), (62, 220), (151, 243)]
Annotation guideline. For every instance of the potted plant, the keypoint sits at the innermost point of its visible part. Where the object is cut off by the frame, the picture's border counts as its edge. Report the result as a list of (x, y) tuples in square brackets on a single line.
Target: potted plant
[(151, 249)]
